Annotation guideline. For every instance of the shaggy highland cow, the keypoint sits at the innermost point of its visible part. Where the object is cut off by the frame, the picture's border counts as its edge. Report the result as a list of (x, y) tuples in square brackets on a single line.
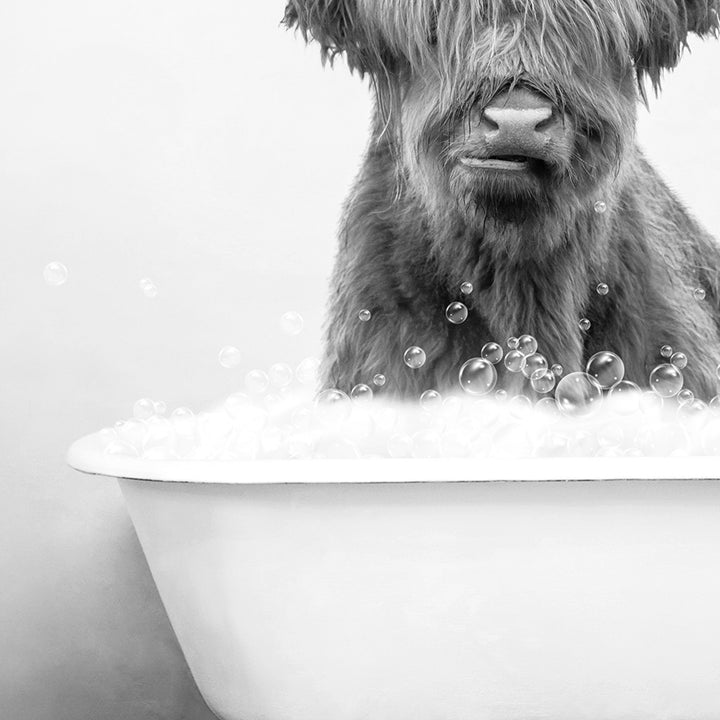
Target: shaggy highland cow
[(503, 154)]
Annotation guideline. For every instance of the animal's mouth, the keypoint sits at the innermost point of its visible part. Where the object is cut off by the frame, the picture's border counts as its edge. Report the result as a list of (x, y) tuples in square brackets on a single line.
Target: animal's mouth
[(511, 163)]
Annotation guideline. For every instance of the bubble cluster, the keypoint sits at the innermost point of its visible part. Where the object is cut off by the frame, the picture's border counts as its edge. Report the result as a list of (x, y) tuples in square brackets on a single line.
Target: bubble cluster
[(55, 274)]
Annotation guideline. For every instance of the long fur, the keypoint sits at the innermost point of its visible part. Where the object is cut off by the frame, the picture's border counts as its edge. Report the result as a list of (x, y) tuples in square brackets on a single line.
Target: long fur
[(413, 231)]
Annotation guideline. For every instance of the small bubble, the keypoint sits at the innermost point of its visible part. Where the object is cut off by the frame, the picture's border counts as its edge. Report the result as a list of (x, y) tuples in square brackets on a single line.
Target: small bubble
[(533, 363), (292, 323), (558, 369), (230, 357), (542, 381), (512, 342), (414, 357), (679, 360), (456, 313), (257, 381), (477, 376), (666, 351), (666, 380), (280, 375), (578, 395), (585, 324), (361, 392), (699, 293), (685, 397), (379, 380), (307, 371), (515, 361), (602, 289), (149, 289), (55, 274), (600, 207), (607, 369), (364, 315), (527, 345), (501, 395), (160, 407), (143, 409), (492, 352), (466, 288), (431, 399)]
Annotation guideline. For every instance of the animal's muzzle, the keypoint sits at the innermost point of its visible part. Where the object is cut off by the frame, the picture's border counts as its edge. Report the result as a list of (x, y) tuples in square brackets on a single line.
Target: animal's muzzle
[(515, 128)]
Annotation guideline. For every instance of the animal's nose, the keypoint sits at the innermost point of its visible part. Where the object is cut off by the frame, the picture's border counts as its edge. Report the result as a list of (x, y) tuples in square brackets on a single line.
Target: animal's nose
[(520, 119)]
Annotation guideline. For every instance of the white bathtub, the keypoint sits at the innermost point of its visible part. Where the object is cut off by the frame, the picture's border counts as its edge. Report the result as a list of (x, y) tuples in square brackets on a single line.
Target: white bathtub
[(428, 590)]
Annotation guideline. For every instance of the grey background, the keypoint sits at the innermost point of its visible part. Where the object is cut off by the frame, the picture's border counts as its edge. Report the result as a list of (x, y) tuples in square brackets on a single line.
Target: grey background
[(204, 147)]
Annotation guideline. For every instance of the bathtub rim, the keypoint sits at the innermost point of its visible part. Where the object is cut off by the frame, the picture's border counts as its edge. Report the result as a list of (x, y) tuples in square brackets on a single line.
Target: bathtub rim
[(87, 456)]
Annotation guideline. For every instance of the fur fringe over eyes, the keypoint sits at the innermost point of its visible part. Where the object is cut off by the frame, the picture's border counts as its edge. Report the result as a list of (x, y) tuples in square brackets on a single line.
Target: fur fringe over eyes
[(385, 37)]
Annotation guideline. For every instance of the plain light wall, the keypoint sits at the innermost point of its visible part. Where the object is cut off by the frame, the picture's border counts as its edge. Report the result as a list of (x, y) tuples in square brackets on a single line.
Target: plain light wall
[(200, 145)]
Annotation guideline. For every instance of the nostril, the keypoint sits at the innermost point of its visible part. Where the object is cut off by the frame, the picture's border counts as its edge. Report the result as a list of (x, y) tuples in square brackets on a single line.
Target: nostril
[(487, 122), (547, 121)]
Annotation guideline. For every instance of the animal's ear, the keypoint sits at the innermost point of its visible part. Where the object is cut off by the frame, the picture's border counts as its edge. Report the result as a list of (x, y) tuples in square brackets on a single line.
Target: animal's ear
[(335, 25), (668, 23)]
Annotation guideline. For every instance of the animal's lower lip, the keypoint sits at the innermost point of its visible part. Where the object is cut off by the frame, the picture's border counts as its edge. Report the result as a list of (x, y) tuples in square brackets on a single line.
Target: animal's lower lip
[(497, 163)]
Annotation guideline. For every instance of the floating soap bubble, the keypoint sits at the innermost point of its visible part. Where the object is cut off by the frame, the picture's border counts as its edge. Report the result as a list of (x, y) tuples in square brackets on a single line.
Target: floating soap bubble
[(679, 360), (666, 351), (280, 374), (143, 409), (527, 345), (230, 357), (257, 381), (364, 315), (379, 380), (456, 313), (543, 381), (699, 293), (333, 405), (55, 274), (600, 207), (149, 289), (307, 371), (607, 369), (685, 397), (291, 323), (478, 376), (501, 395), (160, 407), (492, 352), (512, 342), (585, 324), (666, 380), (466, 288), (533, 363), (578, 395), (362, 392), (431, 400), (602, 288), (515, 361), (624, 397), (414, 357), (557, 369)]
